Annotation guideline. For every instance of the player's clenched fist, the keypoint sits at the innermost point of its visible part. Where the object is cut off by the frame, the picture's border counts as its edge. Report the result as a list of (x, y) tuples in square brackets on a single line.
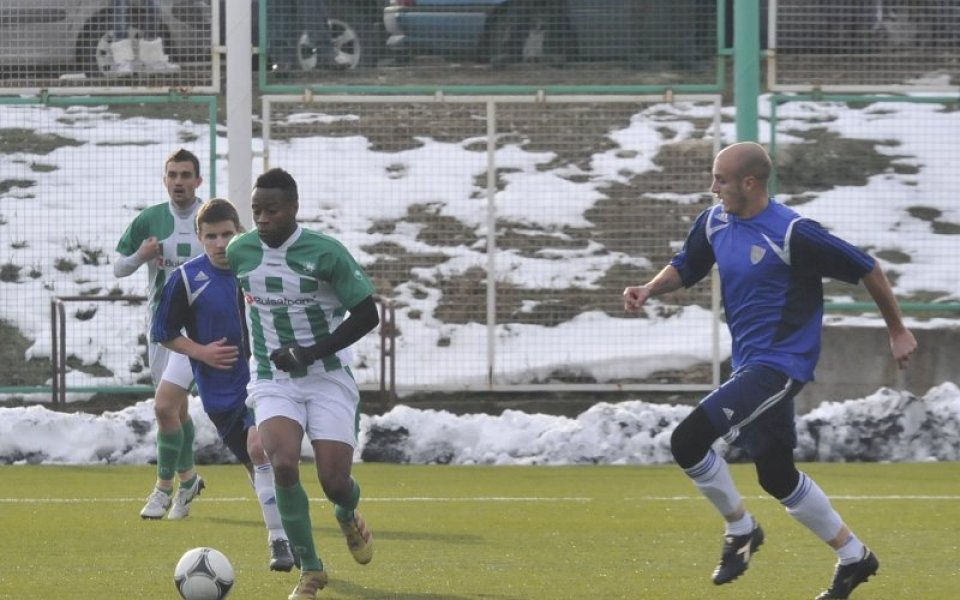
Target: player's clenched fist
[(635, 296)]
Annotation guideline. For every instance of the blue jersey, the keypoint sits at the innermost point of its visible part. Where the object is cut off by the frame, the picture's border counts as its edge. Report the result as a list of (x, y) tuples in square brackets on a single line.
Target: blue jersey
[(771, 269), (203, 300)]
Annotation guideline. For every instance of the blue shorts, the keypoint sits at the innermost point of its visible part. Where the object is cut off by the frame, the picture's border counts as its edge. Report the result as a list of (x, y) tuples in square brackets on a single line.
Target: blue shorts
[(753, 410), (232, 426)]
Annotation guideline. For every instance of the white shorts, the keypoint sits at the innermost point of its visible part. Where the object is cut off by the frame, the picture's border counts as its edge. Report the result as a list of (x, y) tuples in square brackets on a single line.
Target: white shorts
[(325, 404), (170, 366)]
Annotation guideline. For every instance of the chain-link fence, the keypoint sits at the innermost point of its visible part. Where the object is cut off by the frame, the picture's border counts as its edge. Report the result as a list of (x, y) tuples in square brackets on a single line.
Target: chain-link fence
[(497, 204), (424, 44), (565, 201), (880, 171), (865, 46), (73, 174), (108, 46)]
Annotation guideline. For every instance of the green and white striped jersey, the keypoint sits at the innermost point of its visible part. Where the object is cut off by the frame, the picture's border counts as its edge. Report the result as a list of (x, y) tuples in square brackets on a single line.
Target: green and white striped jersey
[(178, 242), (298, 292)]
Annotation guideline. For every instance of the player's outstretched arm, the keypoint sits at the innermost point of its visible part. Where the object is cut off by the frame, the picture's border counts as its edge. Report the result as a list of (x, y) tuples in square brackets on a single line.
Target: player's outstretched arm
[(667, 280), (902, 342)]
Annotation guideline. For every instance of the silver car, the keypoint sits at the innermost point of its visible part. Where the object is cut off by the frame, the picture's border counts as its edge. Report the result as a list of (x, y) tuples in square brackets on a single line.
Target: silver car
[(74, 36)]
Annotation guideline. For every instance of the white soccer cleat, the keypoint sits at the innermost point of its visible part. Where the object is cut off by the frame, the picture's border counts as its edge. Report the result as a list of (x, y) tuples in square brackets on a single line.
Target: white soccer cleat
[(158, 502), (181, 504)]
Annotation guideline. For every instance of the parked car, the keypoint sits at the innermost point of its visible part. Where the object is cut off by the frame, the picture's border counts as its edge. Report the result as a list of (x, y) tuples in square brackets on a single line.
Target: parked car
[(69, 36), (75, 35), (510, 30), (356, 27)]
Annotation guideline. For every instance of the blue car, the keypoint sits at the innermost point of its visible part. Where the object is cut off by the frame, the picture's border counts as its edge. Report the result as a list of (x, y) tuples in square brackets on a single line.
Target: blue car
[(503, 31)]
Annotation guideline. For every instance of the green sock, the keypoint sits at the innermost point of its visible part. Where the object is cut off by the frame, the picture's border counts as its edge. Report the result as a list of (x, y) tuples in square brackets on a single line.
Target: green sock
[(294, 507), (344, 512), (168, 453), (185, 459)]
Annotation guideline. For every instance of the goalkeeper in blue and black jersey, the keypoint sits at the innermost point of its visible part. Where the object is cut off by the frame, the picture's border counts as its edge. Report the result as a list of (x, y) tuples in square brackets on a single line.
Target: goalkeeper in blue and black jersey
[(771, 263), (200, 315)]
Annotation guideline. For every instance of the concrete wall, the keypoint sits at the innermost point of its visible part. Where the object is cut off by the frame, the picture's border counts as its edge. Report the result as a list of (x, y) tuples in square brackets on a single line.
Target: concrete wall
[(856, 361)]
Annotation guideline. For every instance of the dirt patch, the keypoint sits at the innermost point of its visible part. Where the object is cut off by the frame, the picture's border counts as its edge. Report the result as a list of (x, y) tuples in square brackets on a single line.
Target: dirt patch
[(17, 139), (826, 160), (15, 370)]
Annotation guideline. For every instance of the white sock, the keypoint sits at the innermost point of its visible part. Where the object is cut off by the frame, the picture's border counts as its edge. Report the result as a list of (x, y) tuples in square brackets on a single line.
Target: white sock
[(852, 551), (712, 477), (809, 505), (741, 526), (263, 485)]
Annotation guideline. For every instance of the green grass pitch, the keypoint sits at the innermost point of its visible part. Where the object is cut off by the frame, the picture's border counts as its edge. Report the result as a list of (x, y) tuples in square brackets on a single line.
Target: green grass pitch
[(490, 533)]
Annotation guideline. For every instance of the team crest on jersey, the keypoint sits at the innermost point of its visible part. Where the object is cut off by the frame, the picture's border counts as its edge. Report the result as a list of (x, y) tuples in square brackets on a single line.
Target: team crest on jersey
[(756, 253), (201, 276), (357, 275)]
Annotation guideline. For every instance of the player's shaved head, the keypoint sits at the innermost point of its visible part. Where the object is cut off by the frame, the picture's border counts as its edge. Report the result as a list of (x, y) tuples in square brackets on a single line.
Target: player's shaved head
[(747, 159)]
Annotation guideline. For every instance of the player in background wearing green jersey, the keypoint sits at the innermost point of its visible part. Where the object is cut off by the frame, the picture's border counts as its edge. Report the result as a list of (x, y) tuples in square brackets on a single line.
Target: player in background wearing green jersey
[(163, 237), (299, 285)]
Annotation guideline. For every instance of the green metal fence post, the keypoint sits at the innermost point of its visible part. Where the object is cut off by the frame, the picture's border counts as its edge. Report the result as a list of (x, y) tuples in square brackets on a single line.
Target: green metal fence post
[(746, 67)]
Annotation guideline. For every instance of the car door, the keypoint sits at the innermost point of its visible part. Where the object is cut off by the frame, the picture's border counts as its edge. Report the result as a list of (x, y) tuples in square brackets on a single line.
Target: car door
[(605, 28)]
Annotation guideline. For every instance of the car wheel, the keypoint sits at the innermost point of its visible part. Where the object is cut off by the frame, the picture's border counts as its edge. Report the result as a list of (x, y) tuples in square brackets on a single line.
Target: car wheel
[(354, 34), (306, 53), (93, 54)]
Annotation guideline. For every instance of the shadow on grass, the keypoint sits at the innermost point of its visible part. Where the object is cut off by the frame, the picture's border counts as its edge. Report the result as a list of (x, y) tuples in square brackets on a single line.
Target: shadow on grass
[(355, 591)]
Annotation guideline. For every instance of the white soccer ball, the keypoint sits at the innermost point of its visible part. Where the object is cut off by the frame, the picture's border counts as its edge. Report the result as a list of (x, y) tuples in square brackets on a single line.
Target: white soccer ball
[(203, 574)]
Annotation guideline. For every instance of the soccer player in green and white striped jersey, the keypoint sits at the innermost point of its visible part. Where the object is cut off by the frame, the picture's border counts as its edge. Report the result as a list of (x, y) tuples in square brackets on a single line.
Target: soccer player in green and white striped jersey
[(307, 301), (163, 237)]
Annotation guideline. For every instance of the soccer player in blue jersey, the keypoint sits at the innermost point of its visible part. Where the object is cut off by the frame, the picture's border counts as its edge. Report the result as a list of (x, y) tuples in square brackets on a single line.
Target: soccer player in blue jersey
[(771, 263), (200, 315)]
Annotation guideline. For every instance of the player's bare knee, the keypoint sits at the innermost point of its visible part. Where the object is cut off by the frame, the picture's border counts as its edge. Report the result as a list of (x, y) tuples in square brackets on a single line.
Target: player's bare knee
[(286, 469), (337, 487), (255, 449)]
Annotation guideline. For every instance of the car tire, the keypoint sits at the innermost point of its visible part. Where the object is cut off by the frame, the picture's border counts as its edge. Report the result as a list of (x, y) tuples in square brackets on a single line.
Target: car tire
[(355, 33), (93, 54)]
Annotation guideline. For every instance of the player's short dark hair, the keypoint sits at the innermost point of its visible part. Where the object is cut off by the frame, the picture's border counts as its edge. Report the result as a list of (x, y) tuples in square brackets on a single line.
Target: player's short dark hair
[(216, 210), (278, 179), (184, 155)]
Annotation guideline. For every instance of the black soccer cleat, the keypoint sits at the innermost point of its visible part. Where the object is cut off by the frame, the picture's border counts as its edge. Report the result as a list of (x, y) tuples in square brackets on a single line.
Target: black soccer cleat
[(848, 577), (737, 551), (281, 557)]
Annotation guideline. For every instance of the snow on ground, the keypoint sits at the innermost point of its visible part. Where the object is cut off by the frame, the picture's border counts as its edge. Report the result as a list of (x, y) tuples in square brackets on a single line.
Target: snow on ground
[(888, 425)]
